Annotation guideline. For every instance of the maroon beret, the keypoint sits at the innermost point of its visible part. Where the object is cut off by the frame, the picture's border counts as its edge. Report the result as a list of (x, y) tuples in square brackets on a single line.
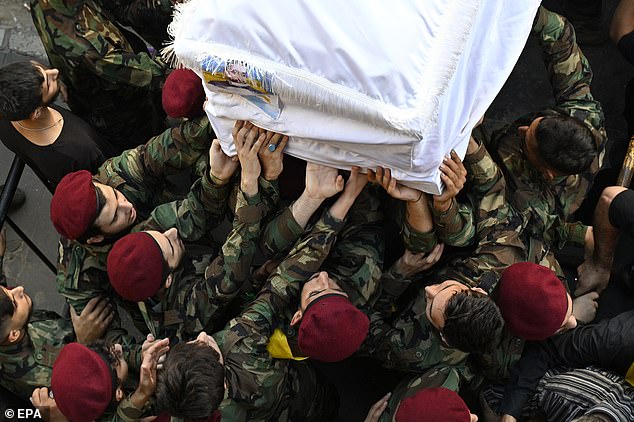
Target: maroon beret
[(74, 204), (532, 300), (81, 383), (332, 329), (136, 266), (433, 405), (183, 94)]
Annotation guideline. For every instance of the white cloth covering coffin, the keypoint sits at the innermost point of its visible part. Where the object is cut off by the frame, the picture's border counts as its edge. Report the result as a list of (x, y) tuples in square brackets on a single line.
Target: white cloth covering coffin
[(355, 82)]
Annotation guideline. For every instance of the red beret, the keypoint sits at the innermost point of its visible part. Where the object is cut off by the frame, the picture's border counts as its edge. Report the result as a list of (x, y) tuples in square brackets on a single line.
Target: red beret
[(332, 329), (532, 300), (74, 204), (433, 405), (183, 94), (135, 266), (81, 383)]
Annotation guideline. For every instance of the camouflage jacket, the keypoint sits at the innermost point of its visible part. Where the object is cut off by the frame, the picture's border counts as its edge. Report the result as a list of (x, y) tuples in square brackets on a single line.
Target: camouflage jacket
[(28, 364), (260, 388), (405, 340), (496, 228), (198, 295), (446, 377), (140, 175), (545, 207), (113, 83)]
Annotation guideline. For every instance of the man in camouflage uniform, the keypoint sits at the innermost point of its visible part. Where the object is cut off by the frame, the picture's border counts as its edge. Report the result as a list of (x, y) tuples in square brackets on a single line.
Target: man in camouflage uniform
[(258, 386), (114, 83), (410, 341), (138, 176), (543, 196), (193, 300), (31, 339)]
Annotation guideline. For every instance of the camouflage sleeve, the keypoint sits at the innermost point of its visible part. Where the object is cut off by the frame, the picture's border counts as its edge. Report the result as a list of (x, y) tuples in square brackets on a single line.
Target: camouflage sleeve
[(280, 233), (382, 305), (146, 166), (20, 373), (82, 276), (462, 224), (270, 191), (202, 210), (244, 341), (570, 72), (356, 259), (446, 377), (123, 67), (283, 286), (571, 233), (456, 225), (225, 276), (27, 365)]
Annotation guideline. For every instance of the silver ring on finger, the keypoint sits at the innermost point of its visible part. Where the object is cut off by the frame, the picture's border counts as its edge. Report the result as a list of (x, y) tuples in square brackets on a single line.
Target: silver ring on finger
[(272, 147)]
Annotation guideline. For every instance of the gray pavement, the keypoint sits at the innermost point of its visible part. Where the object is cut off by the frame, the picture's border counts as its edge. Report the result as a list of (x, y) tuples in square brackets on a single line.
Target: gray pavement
[(19, 41)]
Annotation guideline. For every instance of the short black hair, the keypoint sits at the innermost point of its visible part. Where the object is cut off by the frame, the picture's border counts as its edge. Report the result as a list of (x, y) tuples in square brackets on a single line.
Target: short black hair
[(7, 309), (191, 383), (565, 144), (20, 90), (105, 349), (473, 322)]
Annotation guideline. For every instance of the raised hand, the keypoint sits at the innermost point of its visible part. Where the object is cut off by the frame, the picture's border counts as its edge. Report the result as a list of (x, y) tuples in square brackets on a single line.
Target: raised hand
[(411, 263), (454, 175), (248, 140), (355, 184), (377, 409), (43, 401), (151, 351), (221, 166), (93, 321), (322, 181), (271, 155), (384, 178)]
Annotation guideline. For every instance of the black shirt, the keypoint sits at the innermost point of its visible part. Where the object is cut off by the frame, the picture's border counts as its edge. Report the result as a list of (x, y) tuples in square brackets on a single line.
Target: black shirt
[(78, 147)]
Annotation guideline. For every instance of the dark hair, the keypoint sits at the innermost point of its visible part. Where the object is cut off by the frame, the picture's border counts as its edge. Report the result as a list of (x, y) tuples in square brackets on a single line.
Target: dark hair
[(20, 90), (565, 144), (191, 383), (94, 230), (473, 322), (105, 350), (7, 309)]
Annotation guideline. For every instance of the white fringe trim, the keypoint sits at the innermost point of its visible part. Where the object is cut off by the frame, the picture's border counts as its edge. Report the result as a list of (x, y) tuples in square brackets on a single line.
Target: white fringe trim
[(302, 87)]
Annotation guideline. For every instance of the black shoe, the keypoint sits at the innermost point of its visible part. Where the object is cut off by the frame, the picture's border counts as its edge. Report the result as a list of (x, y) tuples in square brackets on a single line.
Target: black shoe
[(18, 198)]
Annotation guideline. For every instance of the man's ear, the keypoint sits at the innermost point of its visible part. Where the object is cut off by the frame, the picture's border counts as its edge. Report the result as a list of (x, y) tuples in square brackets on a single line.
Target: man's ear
[(522, 130), (168, 281), (297, 317), (119, 394), (479, 290), (95, 239), (14, 335)]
